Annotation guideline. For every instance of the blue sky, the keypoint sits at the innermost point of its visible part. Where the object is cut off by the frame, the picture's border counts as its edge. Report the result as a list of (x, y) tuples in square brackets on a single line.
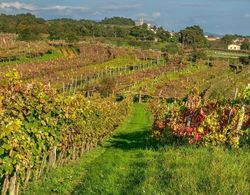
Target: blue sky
[(216, 16)]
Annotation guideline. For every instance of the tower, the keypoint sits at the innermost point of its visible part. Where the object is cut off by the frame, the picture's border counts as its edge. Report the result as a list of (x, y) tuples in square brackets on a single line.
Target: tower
[(142, 21)]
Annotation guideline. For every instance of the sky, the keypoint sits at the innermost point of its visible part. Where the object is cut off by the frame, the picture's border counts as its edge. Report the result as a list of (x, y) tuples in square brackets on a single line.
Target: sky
[(214, 16)]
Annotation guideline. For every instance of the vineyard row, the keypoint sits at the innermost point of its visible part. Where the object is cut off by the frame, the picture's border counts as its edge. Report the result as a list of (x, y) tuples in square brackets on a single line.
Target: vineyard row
[(108, 72), (41, 129)]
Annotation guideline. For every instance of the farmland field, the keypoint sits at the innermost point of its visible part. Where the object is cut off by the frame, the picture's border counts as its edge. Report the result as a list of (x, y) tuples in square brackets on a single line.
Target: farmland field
[(70, 117), (120, 107)]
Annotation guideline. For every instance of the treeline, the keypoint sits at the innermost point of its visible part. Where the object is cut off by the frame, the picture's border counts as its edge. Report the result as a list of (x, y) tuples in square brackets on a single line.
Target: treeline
[(29, 27), (26, 25)]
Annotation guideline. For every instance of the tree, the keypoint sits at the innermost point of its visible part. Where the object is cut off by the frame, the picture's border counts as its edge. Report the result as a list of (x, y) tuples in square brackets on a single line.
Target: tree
[(118, 21), (64, 30), (31, 22), (172, 48), (193, 36), (142, 32), (28, 34), (28, 26), (162, 34), (7, 23), (120, 32), (228, 39), (174, 38), (245, 45), (55, 31)]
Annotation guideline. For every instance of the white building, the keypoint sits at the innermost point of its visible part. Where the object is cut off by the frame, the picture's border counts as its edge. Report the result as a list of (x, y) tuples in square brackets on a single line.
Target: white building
[(141, 22), (212, 38), (234, 47)]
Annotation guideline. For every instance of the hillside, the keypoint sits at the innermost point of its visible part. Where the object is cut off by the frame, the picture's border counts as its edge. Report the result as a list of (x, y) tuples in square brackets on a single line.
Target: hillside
[(113, 107)]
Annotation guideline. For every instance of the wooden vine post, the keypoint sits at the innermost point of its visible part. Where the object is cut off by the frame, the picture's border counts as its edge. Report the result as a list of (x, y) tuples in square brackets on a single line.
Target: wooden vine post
[(140, 96), (159, 97), (12, 187), (241, 120), (52, 158), (5, 186), (27, 176), (63, 90), (230, 113)]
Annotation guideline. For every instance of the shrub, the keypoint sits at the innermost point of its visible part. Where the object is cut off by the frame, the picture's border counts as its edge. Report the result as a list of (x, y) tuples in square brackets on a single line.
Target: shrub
[(245, 60), (196, 55)]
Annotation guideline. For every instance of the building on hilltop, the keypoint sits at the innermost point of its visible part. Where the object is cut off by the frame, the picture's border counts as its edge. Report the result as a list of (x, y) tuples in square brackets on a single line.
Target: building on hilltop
[(141, 22), (239, 41), (234, 47), (212, 38)]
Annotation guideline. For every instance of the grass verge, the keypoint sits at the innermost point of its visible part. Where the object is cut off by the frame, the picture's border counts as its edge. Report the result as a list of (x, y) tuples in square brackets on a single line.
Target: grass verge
[(46, 57)]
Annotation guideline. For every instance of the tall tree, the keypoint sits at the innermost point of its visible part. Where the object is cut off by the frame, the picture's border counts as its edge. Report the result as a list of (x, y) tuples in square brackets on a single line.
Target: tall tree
[(193, 36), (142, 32), (245, 45), (228, 39)]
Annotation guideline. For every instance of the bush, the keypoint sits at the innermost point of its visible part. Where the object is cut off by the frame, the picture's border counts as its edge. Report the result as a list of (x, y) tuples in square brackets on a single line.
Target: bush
[(245, 60), (28, 35), (142, 44), (196, 55), (245, 45), (172, 48)]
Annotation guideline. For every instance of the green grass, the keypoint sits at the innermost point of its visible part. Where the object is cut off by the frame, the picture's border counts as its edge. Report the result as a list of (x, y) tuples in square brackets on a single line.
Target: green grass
[(23, 59), (136, 44), (223, 54), (131, 163)]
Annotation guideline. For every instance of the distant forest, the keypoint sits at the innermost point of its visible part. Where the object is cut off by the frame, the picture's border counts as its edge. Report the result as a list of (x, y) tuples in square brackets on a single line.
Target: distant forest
[(29, 27)]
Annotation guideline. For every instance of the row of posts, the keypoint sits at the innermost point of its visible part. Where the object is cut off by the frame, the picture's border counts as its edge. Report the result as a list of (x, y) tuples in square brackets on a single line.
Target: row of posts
[(79, 82)]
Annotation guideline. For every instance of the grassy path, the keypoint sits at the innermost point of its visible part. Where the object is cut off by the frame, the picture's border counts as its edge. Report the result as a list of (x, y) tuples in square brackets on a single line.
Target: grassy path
[(113, 168), (122, 167), (129, 163)]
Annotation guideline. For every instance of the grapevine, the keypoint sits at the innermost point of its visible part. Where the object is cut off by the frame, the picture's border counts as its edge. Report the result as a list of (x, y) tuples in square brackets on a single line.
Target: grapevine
[(40, 128), (206, 123)]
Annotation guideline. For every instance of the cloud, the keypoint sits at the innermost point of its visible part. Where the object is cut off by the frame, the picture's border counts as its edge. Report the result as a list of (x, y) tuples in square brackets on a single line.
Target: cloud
[(156, 14), (192, 5), (247, 15), (142, 15), (16, 5), (63, 8), (152, 17), (96, 13), (120, 7), (23, 6)]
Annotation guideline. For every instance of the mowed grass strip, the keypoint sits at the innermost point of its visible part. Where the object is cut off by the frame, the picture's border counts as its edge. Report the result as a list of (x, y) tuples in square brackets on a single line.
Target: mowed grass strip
[(132, 163), (23, 59)]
